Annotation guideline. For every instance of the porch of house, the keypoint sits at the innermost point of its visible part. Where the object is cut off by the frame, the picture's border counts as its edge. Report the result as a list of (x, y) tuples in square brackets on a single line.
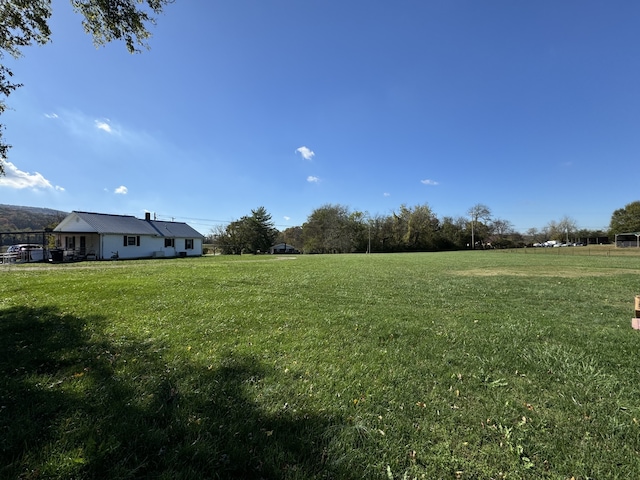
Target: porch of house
[(73, 247)]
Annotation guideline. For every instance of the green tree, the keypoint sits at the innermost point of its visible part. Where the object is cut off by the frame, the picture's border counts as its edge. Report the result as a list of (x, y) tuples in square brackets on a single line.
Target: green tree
[(253, 233), (260, 231), (451, 234), (407, 229), (358, 229), (421, 228), (329, 230), (26, 22), (399, 229), (291, 236), (229, 240), (625, 220)]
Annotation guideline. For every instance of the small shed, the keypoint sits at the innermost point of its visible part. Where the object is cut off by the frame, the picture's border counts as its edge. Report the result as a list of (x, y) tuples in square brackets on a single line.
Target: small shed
[(283, 248), (630, 239)]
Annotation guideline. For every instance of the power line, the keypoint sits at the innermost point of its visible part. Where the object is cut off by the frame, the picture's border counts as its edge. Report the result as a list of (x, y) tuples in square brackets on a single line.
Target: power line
[(209, 221)]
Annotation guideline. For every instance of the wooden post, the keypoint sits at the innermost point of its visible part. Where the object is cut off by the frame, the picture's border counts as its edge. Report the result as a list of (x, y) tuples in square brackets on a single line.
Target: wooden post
[(635, 322)]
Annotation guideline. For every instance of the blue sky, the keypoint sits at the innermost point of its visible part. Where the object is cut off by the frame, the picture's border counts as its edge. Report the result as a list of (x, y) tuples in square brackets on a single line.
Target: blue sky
[(531, 108)]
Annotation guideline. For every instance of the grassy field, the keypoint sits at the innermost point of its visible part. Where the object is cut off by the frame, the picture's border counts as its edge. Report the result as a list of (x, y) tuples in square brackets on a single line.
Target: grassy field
[(469, 365)]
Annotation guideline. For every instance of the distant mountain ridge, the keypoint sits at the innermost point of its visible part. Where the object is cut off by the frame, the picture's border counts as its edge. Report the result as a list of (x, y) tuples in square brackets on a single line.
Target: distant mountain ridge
[(15, 218)]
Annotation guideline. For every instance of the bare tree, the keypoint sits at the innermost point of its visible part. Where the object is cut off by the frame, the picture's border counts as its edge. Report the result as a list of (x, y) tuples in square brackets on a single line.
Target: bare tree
[(501, 227), (567, 226), (476, 213), (533, 235)]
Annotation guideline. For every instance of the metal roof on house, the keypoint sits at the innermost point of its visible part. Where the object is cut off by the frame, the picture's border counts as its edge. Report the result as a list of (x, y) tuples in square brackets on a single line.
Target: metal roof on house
[(104, 223), (174, 229)]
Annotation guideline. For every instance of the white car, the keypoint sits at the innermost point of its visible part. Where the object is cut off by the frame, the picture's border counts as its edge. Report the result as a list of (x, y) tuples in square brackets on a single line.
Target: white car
[(27, 252)]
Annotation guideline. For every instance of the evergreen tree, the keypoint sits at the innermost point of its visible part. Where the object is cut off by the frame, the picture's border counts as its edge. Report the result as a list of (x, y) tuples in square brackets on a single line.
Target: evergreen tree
[(261, 231)]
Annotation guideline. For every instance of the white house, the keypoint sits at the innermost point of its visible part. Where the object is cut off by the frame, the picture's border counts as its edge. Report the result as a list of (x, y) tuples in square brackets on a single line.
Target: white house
[(102, 236)]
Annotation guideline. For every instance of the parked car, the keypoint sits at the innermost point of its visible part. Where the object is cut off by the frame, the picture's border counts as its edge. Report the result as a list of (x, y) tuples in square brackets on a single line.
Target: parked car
[(27, 252)]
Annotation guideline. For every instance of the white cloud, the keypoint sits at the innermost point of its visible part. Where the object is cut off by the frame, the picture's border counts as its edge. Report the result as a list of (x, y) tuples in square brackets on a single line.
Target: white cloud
[(104, 126), (312, 179), (287, 218), (15, 178), (51, 115), (386, 194), (121, 190), (59, 188), (306, 153), (429, 182)]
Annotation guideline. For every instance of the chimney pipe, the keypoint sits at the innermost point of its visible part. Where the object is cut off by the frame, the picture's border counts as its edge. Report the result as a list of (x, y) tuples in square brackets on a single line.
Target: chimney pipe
[(147, 216)]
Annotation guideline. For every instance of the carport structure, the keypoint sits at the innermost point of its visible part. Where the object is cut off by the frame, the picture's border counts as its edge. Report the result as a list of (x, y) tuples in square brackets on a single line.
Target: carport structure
[(629, 239), (35, 237)]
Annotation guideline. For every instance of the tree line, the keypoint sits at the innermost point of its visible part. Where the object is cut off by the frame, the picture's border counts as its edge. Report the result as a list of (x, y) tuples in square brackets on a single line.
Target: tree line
[(15, 218), (334, 228)]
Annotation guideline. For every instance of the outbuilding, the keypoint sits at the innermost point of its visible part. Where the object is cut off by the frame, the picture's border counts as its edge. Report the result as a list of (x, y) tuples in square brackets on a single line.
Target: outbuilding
[(283, 248), (629, 239), (101, 236)]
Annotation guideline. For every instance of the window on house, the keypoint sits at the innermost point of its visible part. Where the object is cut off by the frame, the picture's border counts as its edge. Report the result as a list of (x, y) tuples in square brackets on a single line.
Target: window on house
[(188, 243), (169, 242), (131, 241), (70, 243)]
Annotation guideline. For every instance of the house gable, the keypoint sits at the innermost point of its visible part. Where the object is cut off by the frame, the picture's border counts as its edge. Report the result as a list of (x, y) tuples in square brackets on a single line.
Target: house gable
[(73, 223)]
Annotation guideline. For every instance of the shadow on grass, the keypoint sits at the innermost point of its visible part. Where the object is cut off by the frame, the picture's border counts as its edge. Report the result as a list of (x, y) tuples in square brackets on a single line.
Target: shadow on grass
[(76, 403)]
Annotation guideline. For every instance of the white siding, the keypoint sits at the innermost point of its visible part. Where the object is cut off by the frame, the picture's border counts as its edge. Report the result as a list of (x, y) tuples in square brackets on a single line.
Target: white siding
[(112, 244), (148, 245)]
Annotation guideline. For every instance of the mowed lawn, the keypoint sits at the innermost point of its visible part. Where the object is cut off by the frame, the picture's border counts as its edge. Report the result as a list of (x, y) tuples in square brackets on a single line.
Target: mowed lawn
[(470, 365)]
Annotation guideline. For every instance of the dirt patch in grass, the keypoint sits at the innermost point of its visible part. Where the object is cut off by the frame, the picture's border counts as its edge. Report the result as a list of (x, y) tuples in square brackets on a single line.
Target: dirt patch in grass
[(544, 272)]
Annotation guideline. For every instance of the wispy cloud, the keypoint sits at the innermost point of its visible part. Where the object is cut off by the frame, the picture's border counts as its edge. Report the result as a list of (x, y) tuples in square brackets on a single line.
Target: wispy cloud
[(287, 218), (429, 182), (121, 190), (312, 179), (16, 178), (386, 194), (306, 153), (82, 125)]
